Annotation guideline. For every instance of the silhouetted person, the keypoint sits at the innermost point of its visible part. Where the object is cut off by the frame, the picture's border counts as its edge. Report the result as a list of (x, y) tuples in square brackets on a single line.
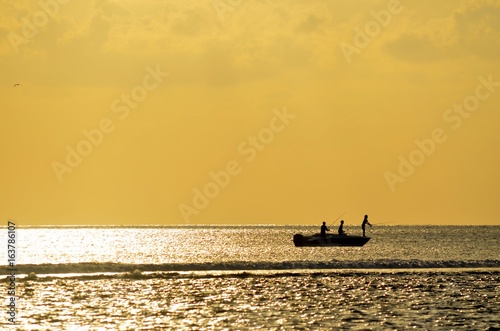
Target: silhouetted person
[(365, 221), (341, 228), (324, 229)]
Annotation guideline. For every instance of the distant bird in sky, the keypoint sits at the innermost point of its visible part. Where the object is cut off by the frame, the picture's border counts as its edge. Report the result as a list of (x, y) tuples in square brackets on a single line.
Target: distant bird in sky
[(16, 85)]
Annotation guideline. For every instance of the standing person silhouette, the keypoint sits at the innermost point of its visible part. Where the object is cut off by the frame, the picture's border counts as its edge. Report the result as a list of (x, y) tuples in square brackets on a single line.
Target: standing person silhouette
[(365, 221), (341, 228), (324, 229)]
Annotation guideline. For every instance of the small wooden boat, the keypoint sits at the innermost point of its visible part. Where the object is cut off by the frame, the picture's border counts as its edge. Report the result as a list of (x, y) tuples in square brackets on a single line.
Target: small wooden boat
[(329, 240)]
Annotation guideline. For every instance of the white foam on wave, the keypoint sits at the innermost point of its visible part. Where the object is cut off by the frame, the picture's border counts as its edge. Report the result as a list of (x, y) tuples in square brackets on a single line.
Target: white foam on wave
[(136, 269)]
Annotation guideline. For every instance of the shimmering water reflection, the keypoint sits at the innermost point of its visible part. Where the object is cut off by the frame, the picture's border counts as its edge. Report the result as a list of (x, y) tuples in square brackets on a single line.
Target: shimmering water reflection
[(214, 244), (298, 300), (153, 281)]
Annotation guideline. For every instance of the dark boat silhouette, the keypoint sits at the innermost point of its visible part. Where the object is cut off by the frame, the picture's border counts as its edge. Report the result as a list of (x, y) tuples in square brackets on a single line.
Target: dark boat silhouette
[(329, 240)]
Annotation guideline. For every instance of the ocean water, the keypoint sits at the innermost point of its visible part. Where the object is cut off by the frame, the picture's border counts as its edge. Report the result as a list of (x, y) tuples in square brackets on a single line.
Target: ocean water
[(252, 277)]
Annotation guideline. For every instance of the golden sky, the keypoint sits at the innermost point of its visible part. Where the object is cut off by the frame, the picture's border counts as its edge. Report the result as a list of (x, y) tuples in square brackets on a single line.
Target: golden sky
[(240, 111)]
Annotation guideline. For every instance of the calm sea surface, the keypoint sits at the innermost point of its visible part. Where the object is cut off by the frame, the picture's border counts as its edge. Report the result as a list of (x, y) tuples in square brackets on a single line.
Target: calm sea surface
[(246, 278)]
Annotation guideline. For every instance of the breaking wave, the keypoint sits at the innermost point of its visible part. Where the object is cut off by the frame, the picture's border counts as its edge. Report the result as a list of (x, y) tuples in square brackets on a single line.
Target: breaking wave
[(138, 269)]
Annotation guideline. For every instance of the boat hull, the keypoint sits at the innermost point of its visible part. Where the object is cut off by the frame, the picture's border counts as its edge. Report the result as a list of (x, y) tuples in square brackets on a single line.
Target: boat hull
[(329, 240)]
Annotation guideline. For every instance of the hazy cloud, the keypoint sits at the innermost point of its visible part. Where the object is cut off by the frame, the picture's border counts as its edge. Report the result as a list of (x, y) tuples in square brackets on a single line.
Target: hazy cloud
[(471, 29), (310, 24)]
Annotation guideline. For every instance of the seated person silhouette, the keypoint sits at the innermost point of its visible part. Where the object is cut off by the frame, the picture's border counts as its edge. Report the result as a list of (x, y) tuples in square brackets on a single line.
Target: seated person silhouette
[(324, 229)]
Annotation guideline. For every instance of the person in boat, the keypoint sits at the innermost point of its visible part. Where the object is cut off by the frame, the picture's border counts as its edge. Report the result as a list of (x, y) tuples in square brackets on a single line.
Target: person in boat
[(363, 225), (341, 229), (324, 229)]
